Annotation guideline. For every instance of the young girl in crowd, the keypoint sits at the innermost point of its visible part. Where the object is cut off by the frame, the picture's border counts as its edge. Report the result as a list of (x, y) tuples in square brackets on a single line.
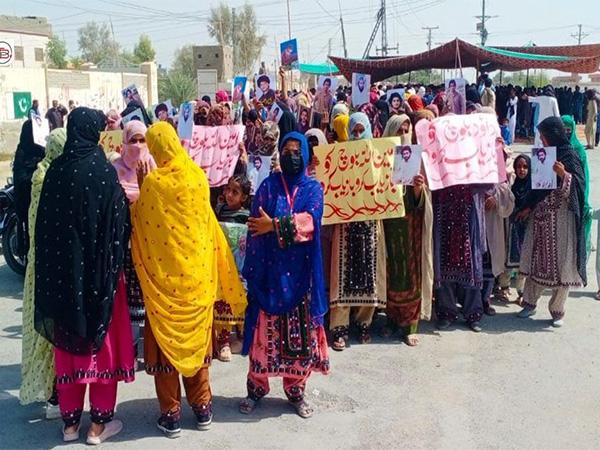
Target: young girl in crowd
[(233, 210), (517, 224)]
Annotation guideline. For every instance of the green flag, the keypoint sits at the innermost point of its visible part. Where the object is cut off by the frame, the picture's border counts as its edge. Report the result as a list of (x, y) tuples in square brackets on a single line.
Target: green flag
[(21, 103)]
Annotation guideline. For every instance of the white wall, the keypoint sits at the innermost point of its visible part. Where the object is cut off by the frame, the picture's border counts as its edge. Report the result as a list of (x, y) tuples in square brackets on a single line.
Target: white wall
[(14, 79), (29, 43)]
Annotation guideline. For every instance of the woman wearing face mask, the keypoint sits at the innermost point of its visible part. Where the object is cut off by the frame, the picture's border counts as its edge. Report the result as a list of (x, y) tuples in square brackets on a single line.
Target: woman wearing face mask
[(358, 271), (284, 333)]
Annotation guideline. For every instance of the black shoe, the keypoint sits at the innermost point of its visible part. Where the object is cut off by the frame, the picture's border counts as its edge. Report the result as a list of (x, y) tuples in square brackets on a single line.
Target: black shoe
[(489, 310), (171, 429), (442, 324), (204, 420), (475, 326)]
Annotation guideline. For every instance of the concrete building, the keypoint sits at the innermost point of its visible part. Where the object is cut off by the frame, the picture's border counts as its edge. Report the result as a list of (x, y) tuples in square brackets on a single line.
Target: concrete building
[(216, 57), (30, 36)]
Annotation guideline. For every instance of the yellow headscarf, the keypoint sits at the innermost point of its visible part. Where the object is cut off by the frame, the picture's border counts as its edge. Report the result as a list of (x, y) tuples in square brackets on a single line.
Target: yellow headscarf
[(181, 256), (340, 125)]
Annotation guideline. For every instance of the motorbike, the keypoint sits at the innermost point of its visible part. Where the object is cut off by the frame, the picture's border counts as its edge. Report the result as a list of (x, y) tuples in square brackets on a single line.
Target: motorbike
[(11, 231)]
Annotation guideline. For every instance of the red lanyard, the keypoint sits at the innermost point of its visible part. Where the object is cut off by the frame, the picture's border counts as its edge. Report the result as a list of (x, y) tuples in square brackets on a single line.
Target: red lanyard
[(291, 199)]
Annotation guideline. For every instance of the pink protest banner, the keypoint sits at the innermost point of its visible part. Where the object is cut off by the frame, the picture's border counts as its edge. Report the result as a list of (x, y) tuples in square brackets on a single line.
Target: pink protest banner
[(216, 150), (462, 149), (111, 141)]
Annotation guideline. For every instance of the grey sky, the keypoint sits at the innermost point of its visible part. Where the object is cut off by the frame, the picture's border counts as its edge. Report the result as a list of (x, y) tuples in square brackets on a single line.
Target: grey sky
[(314, 22)]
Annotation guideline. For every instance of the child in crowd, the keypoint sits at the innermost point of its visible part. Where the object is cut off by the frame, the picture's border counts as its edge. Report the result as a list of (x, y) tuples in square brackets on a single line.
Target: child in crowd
[(233, 210), (517, 224)]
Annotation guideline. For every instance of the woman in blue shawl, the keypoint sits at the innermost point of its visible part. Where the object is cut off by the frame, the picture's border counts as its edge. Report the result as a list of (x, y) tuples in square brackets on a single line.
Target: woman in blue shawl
[(284, 333)]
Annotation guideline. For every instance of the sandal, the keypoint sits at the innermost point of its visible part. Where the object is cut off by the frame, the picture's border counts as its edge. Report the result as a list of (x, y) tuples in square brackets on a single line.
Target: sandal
[(248, 405), (502, 295), (303, 409), (339, 338), (412, 340), (364, 337)]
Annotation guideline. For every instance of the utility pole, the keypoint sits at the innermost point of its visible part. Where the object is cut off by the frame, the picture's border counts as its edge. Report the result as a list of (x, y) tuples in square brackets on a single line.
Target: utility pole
[(429, 30), (329, 47), (580, 35), (289, 20), (384, 41), (233, 43), (483, 33), (343, 31)]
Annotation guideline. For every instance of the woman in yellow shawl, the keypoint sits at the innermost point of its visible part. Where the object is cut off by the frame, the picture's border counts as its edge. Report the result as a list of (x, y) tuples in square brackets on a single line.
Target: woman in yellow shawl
[(37, 363), (184, 265)]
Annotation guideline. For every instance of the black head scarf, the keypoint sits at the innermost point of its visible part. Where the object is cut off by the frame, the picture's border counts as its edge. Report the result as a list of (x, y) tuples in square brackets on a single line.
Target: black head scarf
[(81, 232), (287, 122), (384, 112), (27, 157), (521, 188), (554, 132), (132, 106)]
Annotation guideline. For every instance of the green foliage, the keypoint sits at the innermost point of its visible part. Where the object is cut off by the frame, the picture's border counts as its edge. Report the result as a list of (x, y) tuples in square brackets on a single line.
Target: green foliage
[(418, 77), (177, 86), (537, 78), (183, 62), (56, 53), (96, 43), (240, 32), (76, 62), (143, 50)]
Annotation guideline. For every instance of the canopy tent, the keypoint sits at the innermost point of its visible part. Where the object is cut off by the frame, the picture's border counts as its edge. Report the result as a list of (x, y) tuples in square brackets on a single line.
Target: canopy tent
[(457, 53), (319, 69)]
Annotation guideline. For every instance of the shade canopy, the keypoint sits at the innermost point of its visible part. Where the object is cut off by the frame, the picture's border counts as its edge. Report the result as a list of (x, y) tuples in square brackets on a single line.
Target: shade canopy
[(458, 53), (318, 69)]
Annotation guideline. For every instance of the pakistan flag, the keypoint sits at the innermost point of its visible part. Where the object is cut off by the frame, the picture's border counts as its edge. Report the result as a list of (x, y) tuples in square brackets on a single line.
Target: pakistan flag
[(21, 103)]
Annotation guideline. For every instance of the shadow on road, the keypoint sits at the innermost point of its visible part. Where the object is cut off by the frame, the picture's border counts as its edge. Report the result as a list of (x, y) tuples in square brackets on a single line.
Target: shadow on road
[(12, 284)]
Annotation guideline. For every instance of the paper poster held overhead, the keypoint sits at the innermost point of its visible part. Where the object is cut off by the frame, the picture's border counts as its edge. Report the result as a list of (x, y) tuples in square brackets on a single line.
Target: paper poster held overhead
[(289, 53), (185, 124), (456, 96), (258, 169), (131, 93), (407, 164), (265, 89), (238, 88), (361, 85), (136, 114), (41, 129)]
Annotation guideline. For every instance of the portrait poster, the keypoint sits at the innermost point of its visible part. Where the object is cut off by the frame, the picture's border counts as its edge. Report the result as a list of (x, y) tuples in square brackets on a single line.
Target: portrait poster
[(327, 84), (304, 119), (136, 114), (131, 93), (275, 113), (361, 85), (163, 111), (542, 168), (407, 164), (356, 177), (289, 53), (456, 95), (238, 88), (465, 149), (257, 170), (395, 98), (265, 89), (185, 124), (41, 129), (216, 150), (111, 141), (236, 233)]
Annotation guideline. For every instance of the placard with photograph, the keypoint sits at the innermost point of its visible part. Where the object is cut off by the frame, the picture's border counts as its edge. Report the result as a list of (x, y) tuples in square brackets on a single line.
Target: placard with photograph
[(136, 114), (163, 111), (361, 85), (238, 88), (265, 89), (40, 128), (542, 168), (258, 169), (131, 93), (185, 124), (303, 119), (456, 96), (395, 98), (407, 164), (275, 113), (289, 53)]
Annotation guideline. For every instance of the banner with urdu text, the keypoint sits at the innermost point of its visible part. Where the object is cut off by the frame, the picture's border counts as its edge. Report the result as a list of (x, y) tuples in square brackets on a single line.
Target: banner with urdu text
[(462, 149), (356, 177)]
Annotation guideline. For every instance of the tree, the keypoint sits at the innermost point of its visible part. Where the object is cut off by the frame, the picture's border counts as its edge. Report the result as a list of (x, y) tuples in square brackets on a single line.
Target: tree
[(177, 86), (183, 62), (56, 53), (240, 32), (537, 78), (96, 43), (143, 51), (76, 62)]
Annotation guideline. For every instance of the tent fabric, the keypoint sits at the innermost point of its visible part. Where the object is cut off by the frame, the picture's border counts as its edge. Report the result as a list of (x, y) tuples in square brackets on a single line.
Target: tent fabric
[(319, 69), (563, 50), (458, 53)]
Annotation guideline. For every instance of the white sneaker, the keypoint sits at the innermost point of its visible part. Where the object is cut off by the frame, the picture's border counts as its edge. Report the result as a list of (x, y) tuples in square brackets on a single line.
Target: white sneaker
[(52, 411), (557, 323), (110, 429), (526, 312)]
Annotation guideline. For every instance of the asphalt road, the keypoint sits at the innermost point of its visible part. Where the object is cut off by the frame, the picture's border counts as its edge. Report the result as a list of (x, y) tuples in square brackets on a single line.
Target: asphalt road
[(518, 384)]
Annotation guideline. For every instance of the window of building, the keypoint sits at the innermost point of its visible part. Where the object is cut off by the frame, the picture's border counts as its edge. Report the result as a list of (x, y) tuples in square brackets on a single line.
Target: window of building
[(18, 53), (39, 54)]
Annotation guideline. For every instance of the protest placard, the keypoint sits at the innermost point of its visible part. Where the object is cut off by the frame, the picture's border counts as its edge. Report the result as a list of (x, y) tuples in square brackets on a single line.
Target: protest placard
[(40, 128), (465, 149), (542, 168), (111, 141), (407, 164), (356, 177), (216, 150), (259, 168)]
